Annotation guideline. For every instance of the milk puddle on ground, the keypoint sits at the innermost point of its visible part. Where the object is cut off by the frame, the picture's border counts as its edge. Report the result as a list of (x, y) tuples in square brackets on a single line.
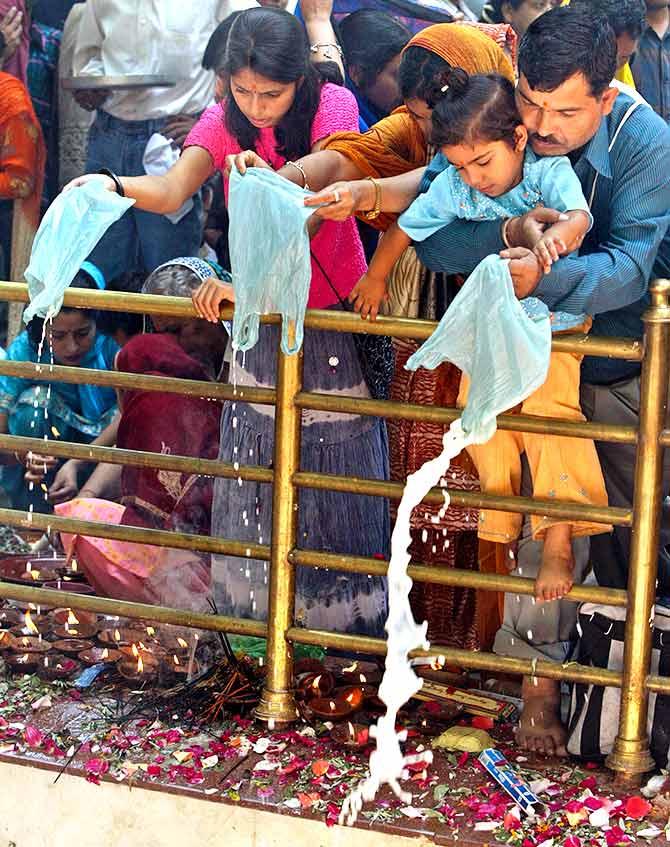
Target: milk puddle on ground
[(387, 762)]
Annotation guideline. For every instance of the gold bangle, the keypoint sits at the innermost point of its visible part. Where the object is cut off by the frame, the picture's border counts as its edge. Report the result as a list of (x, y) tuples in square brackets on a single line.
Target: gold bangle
[(300, 168), (374, 213)]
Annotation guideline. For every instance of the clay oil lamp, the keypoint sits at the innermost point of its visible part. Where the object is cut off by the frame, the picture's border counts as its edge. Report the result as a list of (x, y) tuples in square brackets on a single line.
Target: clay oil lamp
[(32, 625), (312, 685), (356, 674), (72, 646), (30, 644), (172, 644), (37, 574), (119, 636), (355, 695), (22, 662), (75, 630), (70, 572), (174, 670), (72, 617), (132, 651), (99, 656), (353, 736), (330, 709), (57, 667), (10, 617), (142, 670)]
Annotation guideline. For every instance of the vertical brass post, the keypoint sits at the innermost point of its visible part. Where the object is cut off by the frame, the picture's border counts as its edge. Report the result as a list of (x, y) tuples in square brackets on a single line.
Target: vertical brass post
[(277, 704), (631, 757)]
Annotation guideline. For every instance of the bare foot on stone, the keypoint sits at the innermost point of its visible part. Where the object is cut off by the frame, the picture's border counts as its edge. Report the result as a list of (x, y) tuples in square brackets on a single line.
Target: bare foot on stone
[(540, 728), (555, 577)]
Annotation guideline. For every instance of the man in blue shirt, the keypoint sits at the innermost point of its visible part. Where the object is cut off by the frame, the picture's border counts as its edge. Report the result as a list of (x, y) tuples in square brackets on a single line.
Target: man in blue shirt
[(620, 150)]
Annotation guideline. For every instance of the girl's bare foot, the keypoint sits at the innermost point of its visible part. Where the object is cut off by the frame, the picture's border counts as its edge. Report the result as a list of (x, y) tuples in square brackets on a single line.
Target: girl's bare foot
[(540, 728), (555, 577)]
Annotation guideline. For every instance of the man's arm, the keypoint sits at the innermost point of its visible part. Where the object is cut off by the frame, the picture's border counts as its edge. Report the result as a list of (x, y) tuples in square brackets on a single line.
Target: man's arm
[(617, 273), (87, 58)]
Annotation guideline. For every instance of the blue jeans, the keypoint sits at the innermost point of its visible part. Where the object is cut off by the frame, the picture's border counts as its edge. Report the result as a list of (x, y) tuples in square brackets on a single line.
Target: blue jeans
[(139, 241)]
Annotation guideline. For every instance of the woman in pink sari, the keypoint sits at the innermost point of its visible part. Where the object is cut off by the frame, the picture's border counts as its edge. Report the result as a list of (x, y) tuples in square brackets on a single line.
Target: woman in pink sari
[(157, 422)]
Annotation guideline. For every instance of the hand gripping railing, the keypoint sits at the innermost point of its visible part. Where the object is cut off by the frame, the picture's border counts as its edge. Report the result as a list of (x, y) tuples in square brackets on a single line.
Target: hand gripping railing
[(630, 757)]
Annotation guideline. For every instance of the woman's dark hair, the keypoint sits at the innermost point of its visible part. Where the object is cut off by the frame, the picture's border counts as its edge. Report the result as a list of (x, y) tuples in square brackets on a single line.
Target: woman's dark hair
[(624, 16), (492, 12), (421, 75), (35, 328), (215, 52), (565, 42), (274, 44), (475, 108), (369, 40)]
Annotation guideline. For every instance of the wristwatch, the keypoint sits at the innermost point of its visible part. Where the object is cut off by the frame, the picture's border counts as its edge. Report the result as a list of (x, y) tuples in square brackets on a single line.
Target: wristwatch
[(374, 213)]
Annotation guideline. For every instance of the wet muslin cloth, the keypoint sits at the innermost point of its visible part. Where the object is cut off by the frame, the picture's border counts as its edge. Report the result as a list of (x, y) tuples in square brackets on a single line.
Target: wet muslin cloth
[(72, 226), (269, 255), (502, 344)]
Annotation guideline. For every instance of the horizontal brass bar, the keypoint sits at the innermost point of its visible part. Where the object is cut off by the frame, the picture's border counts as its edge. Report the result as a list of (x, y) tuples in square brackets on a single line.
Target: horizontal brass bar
[(435, 414), (136, 382), (453, 576), (471, 659), (659, 684), (126, 609), (138, 535), (320, 319), (134, 458), (475, 500)]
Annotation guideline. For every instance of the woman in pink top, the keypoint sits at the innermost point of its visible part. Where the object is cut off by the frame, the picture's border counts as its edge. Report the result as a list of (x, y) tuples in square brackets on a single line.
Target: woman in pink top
[(279, 104)]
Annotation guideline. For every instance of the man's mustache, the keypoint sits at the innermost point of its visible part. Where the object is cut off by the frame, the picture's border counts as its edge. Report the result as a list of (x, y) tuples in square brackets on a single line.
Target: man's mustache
[(546, 139)]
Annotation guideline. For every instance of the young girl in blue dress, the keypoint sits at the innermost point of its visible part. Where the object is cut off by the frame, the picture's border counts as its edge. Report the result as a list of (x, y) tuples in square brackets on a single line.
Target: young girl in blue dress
[(492, 173)]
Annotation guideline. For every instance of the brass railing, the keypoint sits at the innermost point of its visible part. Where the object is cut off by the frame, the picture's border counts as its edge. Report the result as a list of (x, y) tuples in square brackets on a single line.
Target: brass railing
[(630, 757)]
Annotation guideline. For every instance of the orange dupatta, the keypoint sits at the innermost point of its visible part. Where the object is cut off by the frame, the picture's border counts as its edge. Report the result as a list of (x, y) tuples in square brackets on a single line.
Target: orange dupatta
[(396, 145)]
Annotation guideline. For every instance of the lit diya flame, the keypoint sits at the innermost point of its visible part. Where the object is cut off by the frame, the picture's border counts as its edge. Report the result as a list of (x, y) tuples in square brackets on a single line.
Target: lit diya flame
[(25, 641), (105, 653), (175, 659), (439, 663), (46, 661), (362, 678), (143, 647), (151, 631), (136, 652), (117, 635), (350, 729), (182, 643), (30, 625), (140, 664), (72, 619), (75, 566), (351, 668), (315, 684), (332, 706)]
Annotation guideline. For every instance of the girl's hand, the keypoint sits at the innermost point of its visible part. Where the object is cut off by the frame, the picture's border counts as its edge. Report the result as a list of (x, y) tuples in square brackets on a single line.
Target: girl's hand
[(208, 298), (548, 250), (241, 161), (37, 466), (367, 295), (11, 27), (107, 181), (338, 201), (64, 487)]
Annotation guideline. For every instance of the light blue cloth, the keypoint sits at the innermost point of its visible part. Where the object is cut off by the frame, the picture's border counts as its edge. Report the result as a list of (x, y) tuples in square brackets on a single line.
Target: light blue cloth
[(500, 343), (269, 255), (72, 226), (549, 181)]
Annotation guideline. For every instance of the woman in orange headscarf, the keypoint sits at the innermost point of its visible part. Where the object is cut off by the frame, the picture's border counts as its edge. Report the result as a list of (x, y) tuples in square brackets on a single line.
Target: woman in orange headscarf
[(22, 160), (394, 153)]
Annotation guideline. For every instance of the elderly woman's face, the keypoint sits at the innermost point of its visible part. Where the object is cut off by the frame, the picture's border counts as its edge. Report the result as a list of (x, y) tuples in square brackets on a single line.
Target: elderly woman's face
[(384, 93)]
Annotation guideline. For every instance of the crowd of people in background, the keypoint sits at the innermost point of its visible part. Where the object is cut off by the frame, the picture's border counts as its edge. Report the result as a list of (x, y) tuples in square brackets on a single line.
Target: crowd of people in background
[(433, 110)]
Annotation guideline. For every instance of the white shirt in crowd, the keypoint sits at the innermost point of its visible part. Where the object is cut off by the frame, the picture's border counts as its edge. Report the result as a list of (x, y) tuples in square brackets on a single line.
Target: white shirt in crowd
[(167, 37)]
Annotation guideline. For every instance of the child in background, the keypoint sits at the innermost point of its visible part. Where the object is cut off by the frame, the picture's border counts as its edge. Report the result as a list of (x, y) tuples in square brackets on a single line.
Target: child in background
[(493, 174)]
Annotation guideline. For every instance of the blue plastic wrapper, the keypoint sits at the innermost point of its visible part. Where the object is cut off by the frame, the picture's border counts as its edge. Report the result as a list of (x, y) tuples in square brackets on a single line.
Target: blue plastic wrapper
[(269, 255), (72, 226), (501, 345)]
